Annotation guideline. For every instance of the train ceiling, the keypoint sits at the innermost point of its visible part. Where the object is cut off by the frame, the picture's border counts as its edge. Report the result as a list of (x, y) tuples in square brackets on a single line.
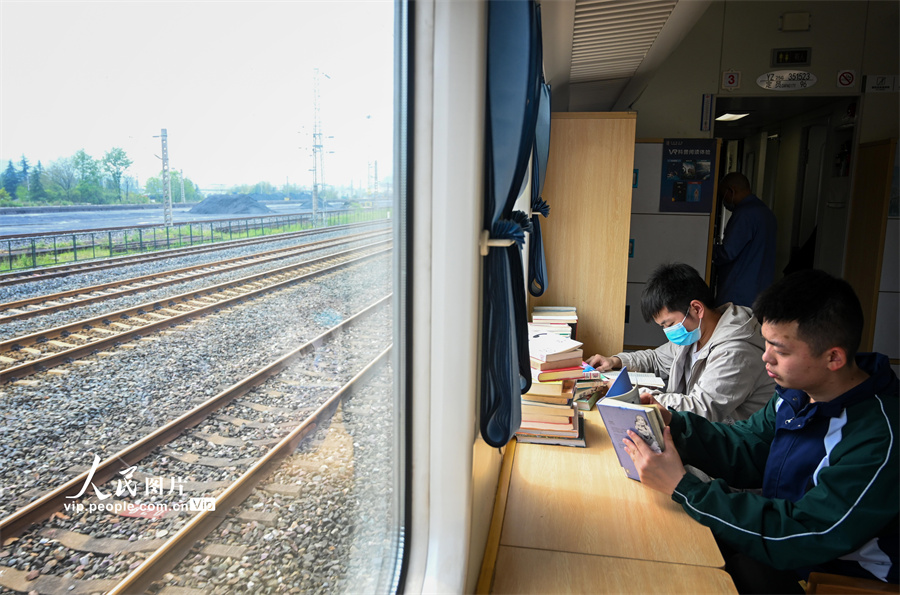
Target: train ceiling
[(613, 46)]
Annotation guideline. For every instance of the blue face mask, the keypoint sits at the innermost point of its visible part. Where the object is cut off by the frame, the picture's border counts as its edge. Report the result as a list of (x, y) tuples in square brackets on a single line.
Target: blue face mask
[(680, 336)]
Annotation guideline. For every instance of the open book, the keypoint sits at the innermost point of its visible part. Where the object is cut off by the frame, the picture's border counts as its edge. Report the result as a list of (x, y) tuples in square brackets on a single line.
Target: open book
[(621, 411), (647, 379)]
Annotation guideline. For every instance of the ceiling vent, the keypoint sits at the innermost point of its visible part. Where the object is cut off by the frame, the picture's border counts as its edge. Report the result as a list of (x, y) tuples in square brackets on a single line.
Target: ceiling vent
[(611, 37)]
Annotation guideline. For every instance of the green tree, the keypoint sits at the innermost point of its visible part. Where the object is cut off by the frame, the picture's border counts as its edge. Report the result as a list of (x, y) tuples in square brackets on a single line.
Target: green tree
[(10, 179), (62, 177), (86, 167), (87, 172), (36, 185), (114, 163), (263, 188), (23, 172), (129, 184), (154, 188)]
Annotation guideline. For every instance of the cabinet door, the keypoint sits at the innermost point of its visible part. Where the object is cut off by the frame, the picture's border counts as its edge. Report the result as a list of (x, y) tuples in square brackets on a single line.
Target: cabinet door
[(588, 188)]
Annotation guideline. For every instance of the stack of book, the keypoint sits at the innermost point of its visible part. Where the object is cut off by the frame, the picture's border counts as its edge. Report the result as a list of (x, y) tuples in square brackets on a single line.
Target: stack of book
[(556, 316), (549, 415)]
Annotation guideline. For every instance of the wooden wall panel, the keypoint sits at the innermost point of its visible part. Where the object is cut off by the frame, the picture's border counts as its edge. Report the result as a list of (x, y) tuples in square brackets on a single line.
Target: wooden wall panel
[(588, 188)]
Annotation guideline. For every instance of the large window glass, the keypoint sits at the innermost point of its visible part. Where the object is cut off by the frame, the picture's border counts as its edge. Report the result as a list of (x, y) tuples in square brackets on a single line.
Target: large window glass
[(224, 414)]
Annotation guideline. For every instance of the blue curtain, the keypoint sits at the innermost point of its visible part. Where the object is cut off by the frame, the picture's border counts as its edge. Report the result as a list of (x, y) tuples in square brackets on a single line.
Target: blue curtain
[(537, 265), (513, 93)]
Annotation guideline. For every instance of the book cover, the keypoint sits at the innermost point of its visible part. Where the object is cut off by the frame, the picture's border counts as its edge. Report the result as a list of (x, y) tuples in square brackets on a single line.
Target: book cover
[(571, 362), (560, 374), (551, 389), (587, 400), (542, 345), (551, 328), (542, 309), (545, 409), (570, 432), (585, 384), (563, 399), (623, 411), (559, 423), (577, 440)]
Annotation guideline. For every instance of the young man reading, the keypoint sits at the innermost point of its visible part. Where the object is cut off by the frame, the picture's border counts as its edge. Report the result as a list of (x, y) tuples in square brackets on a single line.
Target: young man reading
[(823, 450), (711, 359)]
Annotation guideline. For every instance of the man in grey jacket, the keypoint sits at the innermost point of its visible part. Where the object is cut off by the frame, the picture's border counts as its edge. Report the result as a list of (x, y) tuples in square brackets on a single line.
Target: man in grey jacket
[(712, 361)]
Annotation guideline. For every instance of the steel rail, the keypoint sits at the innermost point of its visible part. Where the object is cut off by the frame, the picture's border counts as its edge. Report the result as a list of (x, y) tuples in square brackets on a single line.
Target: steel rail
[(156, 305), (164, 278), (63, 270), (179, 545), (42, 508), (190, 299)]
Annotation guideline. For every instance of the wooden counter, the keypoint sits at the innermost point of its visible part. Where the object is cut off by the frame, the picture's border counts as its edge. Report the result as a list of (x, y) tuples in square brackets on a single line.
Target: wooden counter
[(573, 516), (524, 571)]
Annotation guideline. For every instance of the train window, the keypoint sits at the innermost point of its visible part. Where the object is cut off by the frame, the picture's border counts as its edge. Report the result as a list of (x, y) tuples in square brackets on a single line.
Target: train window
[(202, 296)]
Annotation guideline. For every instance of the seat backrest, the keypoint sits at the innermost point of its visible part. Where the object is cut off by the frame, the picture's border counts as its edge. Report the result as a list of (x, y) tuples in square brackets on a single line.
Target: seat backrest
[(835, 584)]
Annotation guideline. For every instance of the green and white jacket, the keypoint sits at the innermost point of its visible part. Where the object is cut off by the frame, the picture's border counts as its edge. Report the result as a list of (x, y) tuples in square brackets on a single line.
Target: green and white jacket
[(829, 474)]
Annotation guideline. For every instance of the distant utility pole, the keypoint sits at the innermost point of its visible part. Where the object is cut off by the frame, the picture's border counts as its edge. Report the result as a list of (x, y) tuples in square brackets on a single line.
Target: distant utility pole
[(182, 185), (167, 194), (372, 185), (318, 167)]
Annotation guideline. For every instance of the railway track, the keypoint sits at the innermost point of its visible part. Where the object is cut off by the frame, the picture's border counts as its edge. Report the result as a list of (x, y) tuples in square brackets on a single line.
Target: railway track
[(185, 531), (52, 272), (40, 351), (82, 296)]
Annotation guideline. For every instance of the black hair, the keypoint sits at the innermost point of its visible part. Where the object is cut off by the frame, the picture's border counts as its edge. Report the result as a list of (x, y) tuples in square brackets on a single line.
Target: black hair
[(674, 286), (826, 309)]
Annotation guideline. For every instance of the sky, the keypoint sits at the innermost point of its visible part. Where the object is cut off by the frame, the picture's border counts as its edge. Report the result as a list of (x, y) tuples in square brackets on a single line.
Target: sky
[(231, 82)]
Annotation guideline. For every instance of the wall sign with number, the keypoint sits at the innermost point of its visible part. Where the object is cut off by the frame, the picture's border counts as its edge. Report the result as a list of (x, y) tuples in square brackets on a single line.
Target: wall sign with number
[(731, 79), (786, 80)]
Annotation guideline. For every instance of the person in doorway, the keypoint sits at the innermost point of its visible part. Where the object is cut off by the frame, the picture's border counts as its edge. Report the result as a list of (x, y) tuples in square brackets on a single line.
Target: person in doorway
[(711, 362), (824, 450), (745, 259)]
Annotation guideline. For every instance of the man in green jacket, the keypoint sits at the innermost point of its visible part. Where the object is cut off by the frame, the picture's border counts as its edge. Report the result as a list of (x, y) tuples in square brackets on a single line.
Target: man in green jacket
[(824, 450)]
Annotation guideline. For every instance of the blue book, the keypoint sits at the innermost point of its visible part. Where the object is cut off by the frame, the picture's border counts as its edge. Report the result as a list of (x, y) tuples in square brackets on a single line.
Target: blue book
[(621, 410), (621, 385)]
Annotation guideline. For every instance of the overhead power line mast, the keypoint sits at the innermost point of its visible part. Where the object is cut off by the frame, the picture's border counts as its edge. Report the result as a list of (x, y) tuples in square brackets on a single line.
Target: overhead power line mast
[(167, 192), (318, 167)]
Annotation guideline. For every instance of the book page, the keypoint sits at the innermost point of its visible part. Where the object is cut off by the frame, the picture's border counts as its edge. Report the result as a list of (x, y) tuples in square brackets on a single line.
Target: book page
[(638, 378)]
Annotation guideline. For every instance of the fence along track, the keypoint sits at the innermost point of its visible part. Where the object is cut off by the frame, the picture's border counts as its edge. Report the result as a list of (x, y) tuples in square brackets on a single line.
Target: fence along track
[(45, 506), (82, 296), (63, 270), (162, 312)]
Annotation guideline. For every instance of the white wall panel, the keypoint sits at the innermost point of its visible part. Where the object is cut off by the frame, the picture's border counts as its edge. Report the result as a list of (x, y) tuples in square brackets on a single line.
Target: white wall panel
[(638, 332), (666, 237), (648, 164)]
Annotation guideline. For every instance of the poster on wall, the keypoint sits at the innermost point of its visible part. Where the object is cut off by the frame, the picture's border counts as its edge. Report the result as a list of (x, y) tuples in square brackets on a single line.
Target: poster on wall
[(688, 175)]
